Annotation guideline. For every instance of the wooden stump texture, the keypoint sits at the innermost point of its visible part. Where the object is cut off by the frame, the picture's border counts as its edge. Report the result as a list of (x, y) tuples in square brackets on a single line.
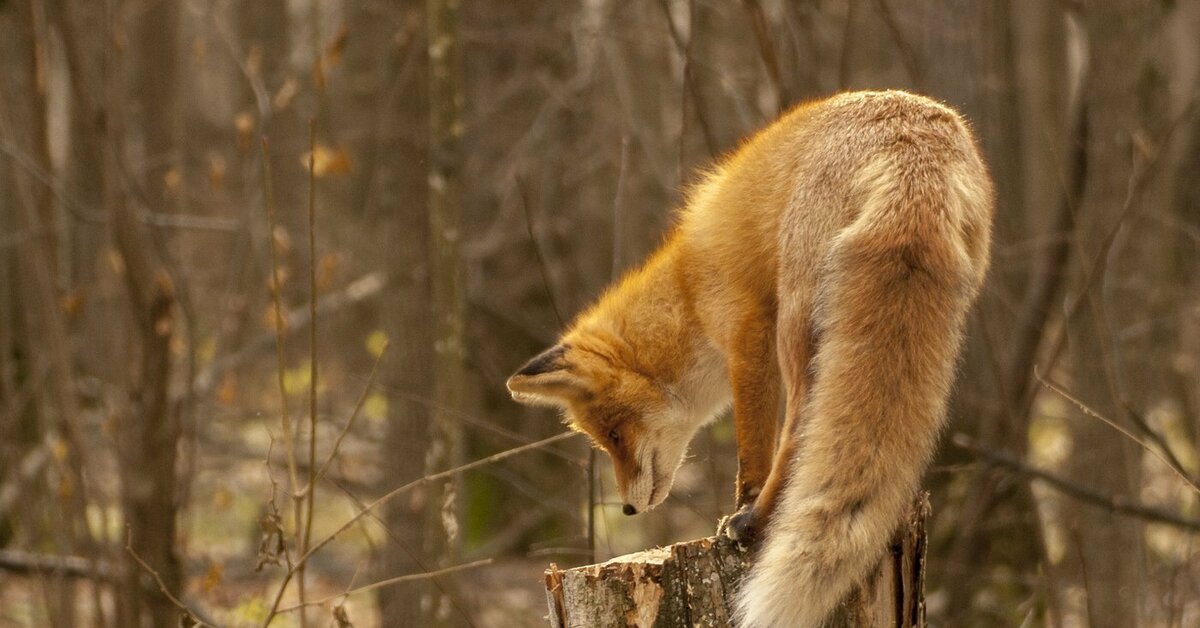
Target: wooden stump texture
[(693, 584)]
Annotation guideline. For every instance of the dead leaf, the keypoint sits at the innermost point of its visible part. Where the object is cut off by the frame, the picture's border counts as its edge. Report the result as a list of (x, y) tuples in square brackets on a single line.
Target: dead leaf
[(227, 391), (340, 616), (318, 74), (337, 46), (269, 319), (172, 181), (283, 240), (72, 303), (116, 263), (271, 545), (327, 270), (216, 172), (244, 124), (327, 160), (222, 498), (213, 577), (285, 94)]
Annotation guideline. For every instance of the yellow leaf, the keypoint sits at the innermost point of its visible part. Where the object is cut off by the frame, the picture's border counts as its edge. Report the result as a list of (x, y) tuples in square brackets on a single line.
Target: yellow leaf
[(327, 160), (376, 342), (250, 611), (375, 407), (207, 349), (296, 380)]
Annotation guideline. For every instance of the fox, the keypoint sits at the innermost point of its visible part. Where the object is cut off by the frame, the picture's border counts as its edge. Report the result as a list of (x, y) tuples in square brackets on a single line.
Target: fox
[(827, 265)]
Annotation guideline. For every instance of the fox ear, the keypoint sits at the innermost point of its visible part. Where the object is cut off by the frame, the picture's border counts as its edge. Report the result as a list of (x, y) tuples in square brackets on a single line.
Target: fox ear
[(547, 380)]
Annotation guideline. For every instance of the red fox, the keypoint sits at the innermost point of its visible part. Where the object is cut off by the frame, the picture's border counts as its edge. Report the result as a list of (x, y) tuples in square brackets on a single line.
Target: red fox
[(829, 263)]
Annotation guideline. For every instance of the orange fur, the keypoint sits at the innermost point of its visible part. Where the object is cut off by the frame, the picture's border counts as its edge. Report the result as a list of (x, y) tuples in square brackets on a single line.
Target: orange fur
[(831, 261)]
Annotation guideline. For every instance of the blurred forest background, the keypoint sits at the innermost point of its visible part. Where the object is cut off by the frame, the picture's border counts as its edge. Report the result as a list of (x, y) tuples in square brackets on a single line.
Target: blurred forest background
[(481, 170)]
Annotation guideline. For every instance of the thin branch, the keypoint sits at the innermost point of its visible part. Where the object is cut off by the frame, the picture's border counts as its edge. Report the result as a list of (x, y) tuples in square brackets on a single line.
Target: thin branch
[(17, 561), (907, 55), (390, 581), (412, 555), (766, 50), (280, 330), (1116, 503), (357, 291), (350, 423), (439, 476), (397, 491), (684, 49), (310, 491), (162, 587), (1083, 407), (537, 251)]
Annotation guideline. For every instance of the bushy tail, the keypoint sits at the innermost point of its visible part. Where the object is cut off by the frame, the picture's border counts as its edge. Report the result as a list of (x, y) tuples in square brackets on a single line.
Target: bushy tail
[(892, 300)]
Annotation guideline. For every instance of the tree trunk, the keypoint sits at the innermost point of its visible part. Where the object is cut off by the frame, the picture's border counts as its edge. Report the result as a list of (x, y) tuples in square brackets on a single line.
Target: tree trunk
[(442, 537), (1124, 97), (694, 584)]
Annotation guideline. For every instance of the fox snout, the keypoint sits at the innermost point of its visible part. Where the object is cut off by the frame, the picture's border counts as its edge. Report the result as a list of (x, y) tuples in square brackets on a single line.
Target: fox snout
[(641, 485)]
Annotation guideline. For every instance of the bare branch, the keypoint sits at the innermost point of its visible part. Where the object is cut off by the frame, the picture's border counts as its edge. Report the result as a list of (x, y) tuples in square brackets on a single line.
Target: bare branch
[(390, 581), (1173, 466), (162, 587), (1116, 503)]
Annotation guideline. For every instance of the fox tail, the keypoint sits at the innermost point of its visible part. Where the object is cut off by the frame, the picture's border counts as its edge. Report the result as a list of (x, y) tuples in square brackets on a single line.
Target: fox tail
[(892, 298)]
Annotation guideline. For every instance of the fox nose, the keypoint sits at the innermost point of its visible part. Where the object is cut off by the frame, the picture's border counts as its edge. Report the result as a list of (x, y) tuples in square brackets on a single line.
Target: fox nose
[(629, 509)]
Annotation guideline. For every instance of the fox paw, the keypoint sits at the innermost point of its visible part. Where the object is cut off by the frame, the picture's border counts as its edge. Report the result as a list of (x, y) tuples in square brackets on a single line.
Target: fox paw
[(741, 527)]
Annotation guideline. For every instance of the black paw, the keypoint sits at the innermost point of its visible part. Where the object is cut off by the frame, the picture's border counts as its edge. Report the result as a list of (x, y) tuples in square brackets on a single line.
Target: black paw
[(742, 526)]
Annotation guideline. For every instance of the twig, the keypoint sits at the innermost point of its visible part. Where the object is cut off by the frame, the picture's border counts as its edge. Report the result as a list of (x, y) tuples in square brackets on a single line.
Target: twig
[(17, 561), (310, 491), (350, 422), (684, 49), (537, 251), (439, 476), (269, 200), (412, 555), (766, 49), (1115, 503), (361, 289), (397, 491), (162, 587), (907, 55), (1113, 424), (390, 581)]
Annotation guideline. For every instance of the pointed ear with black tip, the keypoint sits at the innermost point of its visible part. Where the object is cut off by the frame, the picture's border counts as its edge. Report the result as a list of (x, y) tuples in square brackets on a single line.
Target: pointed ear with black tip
[(547, 380)]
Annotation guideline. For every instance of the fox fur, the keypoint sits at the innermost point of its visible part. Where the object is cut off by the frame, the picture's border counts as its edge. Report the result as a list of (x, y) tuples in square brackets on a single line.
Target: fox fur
[(828, 263)]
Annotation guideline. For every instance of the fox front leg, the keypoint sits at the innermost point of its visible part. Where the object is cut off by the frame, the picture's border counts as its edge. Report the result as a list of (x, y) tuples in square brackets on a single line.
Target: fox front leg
[(755, 380), (795, 350)]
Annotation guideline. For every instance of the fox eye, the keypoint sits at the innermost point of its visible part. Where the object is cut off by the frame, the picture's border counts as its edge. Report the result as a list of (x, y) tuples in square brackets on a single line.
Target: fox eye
[(614, 436)]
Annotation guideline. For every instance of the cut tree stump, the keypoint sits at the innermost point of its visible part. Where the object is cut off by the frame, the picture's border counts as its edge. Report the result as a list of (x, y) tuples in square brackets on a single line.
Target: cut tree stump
[(693, 584)]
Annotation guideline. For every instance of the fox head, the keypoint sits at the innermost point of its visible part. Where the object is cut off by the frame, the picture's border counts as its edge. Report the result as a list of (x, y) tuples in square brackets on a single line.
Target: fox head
[(639, 421)]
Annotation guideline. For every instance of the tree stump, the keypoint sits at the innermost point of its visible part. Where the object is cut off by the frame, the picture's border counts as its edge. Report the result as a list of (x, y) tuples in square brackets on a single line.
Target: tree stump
[(693, 584)]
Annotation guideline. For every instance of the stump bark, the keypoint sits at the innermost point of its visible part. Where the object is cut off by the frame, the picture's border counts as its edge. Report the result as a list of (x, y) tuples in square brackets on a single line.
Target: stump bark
[(693, 584)]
